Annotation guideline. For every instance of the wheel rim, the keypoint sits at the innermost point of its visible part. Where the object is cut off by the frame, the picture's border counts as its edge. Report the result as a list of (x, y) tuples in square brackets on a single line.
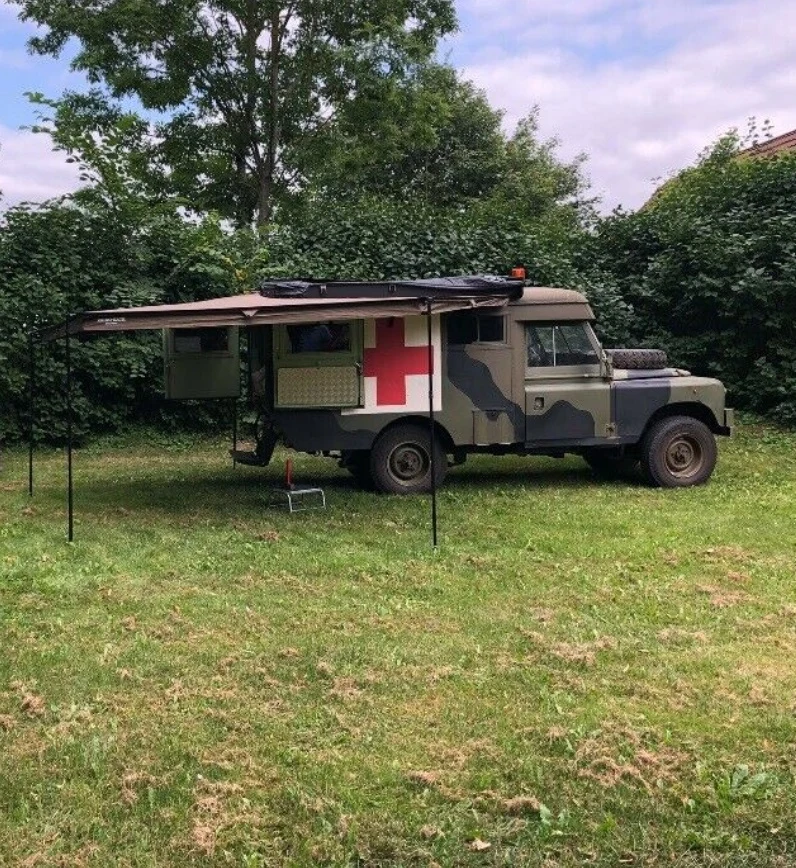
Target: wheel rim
[(408, 462), (684, 456)]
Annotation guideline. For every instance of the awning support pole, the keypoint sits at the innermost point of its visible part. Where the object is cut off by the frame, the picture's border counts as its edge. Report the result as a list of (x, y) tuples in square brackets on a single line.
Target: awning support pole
[(234, 431), (31, 408), (431, 426), (70, 503)]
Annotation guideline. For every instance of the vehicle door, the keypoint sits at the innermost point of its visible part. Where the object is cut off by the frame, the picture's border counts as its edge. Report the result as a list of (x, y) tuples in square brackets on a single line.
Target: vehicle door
[(478, 395), (567, 390), (317, 364)]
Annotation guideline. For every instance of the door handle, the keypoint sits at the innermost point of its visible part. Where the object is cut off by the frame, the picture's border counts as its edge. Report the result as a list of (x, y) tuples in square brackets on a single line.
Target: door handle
[(538, 403)]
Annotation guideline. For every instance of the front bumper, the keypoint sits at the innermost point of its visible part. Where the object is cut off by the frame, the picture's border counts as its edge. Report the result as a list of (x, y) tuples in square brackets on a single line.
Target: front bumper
[(729, 422)]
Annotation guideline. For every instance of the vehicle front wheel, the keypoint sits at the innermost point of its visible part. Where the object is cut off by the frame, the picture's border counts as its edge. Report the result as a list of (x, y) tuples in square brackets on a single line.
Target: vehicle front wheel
[(678, 452), (400, 461)]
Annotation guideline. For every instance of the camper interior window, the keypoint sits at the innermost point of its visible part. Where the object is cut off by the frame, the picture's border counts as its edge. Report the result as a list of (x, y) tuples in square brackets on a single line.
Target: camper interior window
[(210, 340), (471, 328), (322, 337)]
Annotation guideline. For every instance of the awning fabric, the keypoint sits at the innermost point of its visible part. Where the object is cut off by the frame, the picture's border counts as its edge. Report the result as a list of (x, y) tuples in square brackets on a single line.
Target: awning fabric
[(254, 308), (431, 287)]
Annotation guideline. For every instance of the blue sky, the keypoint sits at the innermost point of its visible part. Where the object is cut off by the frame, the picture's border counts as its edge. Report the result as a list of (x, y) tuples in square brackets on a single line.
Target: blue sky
[(20, 72), (640, 86)]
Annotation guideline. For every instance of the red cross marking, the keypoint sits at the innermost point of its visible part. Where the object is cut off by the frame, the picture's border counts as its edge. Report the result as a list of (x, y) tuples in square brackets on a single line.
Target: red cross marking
[(391, 361)]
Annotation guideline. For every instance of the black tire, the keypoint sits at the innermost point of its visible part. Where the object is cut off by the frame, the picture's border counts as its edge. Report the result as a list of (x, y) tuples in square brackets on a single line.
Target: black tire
[(678, 452), (357, 463), (400, 461), (610, 465), (638, 360)]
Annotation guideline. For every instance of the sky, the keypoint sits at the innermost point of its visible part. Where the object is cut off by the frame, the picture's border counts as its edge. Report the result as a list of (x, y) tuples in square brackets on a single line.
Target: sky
[(639, 86)]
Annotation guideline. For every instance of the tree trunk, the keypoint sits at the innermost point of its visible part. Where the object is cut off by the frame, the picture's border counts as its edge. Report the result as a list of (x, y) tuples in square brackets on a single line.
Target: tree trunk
[(266, 177), (264, 201)]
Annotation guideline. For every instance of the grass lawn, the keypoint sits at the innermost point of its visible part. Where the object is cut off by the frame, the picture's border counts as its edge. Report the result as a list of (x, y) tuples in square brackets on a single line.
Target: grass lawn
[(586, 673)]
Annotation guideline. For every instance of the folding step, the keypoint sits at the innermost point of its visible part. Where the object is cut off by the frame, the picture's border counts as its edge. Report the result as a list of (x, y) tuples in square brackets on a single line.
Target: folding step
[(252, 459)]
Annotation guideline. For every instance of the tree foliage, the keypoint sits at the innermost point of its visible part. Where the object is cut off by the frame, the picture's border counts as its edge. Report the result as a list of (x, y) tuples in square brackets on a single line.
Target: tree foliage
[(58, 260), (429, 135), (241, 88), (433, 137), (709, 266)]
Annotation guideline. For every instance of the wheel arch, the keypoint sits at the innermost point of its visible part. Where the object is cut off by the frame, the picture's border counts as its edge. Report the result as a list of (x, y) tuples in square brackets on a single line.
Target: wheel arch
[(440, 430), (694, 409)]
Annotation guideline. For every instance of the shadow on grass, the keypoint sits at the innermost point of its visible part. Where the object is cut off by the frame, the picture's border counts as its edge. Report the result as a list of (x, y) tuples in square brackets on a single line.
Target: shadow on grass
[(242, 491)]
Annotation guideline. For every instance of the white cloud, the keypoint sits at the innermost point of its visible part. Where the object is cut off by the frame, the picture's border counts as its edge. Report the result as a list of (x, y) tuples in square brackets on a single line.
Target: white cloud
[(30, 171), (641, 86)]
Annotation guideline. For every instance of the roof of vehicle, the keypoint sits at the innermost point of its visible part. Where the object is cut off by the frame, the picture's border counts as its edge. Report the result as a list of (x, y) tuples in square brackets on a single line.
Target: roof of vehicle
[(301, 301), (547, 303), (550, 295)]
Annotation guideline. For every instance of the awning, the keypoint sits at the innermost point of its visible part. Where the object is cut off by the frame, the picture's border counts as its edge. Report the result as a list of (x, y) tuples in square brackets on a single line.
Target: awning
[(288, 302), (254, 308)]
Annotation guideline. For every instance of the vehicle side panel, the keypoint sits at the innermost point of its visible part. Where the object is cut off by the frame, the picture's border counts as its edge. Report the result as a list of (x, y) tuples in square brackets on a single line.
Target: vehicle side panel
[(636, 400)]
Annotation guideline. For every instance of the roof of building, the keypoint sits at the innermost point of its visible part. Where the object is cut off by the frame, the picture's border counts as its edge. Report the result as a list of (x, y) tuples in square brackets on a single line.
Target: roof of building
[(785, 142)]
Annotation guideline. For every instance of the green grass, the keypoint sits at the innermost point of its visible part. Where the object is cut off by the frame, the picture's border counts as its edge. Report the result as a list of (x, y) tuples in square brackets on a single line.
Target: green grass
[(585, 673)]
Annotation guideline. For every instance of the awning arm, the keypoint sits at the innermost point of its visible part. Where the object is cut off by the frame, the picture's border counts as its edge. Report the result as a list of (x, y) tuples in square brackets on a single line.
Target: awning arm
[(188, 316), (31, 405), (432, 428)]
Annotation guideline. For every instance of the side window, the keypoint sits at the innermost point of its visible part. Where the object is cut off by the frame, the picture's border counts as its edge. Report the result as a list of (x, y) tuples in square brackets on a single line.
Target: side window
[(472, 328), (207, 340), (321, 337), (553, 345)]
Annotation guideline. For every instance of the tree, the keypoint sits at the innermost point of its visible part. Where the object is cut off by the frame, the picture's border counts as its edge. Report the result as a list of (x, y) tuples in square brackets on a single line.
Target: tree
[(536, 183), (435, 137), (239, 87), (111, 148), (428, 135)]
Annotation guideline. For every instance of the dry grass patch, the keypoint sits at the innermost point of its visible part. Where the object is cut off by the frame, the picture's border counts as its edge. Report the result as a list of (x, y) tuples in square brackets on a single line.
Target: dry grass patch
[(580, 653), (618, 754)]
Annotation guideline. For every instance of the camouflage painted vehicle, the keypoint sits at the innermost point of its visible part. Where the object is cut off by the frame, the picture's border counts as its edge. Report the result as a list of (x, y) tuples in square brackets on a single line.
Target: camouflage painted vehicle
[(526, 378)]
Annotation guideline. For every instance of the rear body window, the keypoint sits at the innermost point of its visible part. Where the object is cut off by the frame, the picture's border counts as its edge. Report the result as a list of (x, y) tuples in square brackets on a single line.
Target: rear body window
[(207, 340), (471, 328)]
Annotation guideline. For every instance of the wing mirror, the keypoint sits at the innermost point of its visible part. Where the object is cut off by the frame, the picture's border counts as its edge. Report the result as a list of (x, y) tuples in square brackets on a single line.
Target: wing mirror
[(606, 365)]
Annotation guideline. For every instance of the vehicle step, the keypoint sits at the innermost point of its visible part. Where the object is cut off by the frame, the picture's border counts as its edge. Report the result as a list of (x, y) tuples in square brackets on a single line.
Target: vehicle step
[(252, 459)]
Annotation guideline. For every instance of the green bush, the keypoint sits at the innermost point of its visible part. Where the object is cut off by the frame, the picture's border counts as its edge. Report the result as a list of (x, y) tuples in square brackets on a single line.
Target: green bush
[(709, 267), (381, 239), (59, 259)]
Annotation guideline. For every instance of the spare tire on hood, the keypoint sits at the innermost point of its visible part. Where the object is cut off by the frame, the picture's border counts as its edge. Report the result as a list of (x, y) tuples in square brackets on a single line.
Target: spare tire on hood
[(638, 360)]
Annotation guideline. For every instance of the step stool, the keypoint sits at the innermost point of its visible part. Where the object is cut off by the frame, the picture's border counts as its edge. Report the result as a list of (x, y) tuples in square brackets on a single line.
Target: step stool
[(299, 498)]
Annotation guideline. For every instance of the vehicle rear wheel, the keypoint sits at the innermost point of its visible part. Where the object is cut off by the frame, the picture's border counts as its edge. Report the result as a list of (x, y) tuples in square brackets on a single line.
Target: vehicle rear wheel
[(611, 465), (400, 461), (678, 452)]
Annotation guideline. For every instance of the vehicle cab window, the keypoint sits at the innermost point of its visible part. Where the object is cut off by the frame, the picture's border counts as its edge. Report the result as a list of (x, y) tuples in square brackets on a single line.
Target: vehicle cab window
[(560, 345)]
